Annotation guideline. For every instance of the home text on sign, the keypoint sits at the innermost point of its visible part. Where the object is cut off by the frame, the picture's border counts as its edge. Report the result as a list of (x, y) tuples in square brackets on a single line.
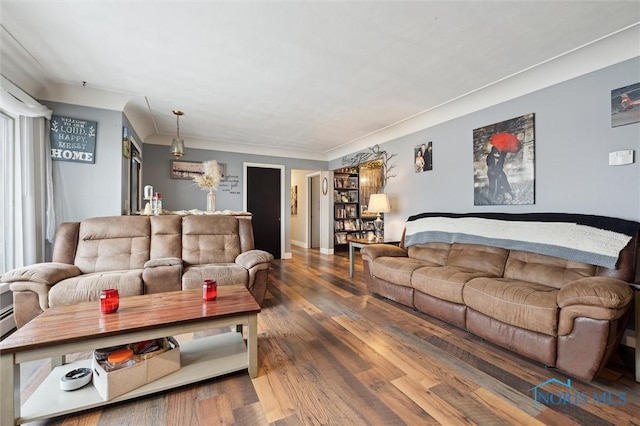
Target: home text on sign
[(73, 139)]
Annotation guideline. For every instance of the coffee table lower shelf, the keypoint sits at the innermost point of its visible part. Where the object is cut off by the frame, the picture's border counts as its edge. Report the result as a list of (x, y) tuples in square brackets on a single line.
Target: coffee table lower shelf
[(200, 359)]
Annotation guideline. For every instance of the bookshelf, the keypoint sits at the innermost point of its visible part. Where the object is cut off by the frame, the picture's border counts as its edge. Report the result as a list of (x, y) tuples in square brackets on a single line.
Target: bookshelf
[(346, 206)]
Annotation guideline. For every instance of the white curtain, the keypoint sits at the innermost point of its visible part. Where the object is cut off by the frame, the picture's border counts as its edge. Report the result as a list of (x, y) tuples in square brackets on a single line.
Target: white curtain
[(29, 214)]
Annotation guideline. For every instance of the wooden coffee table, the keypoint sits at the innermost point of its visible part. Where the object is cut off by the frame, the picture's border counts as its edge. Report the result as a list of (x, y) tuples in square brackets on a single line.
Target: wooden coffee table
[(77, 328)]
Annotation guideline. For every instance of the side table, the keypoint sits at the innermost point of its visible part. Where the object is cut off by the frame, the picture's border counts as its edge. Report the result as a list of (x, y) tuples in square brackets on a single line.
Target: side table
[(359, 243)]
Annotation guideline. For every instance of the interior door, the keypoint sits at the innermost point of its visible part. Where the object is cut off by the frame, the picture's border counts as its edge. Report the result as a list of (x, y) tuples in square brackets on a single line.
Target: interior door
[(314, 211), (264, 202)]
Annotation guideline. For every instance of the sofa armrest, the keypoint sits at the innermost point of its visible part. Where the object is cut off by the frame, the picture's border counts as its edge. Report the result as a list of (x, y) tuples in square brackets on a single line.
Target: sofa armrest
[(257, 263), (374, 251), (596, 298), (47, 273), (596, 291), (31, 284), (162, 274), (251, 258)]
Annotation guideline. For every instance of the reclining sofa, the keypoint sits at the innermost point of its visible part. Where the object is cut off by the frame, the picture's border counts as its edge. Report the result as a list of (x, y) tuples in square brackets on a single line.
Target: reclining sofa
[(552, 287), (140, 255)]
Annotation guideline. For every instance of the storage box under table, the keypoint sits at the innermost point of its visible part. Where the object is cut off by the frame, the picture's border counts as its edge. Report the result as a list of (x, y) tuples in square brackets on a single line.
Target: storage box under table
[(111, 384)]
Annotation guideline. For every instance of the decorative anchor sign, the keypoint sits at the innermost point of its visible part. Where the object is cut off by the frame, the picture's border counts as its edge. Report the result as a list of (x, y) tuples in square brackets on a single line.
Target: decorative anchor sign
[(73, 139)]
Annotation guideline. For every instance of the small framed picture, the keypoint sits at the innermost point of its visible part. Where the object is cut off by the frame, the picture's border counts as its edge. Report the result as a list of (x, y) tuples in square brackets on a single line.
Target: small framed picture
[(185, 169), (625, 105), (423, 157)]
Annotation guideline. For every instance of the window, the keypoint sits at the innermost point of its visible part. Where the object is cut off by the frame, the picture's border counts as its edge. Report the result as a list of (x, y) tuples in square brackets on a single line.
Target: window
[(7, 133), (27, 217)]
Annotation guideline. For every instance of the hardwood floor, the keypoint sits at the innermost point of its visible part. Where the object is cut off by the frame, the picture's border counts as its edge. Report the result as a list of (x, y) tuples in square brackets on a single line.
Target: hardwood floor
[(330, 353)]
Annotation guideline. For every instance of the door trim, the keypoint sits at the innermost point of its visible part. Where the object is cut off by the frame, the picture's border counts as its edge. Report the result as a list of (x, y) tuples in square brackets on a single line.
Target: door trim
[(307, 220), (283, 219)]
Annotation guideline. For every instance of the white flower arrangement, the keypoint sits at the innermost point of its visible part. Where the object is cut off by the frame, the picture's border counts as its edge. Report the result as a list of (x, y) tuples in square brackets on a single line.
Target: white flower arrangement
[(211, 176)]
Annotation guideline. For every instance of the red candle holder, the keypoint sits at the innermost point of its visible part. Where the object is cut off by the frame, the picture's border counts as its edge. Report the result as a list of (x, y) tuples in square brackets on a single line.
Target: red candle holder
[(109, 301), (209, 290)]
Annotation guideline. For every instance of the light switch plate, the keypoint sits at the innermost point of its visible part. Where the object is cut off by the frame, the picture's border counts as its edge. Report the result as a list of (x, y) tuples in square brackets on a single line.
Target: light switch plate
[(619, 158)]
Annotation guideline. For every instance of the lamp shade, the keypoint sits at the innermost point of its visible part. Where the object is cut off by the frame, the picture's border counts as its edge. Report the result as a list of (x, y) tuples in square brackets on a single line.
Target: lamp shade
[(177, 147), (378, 203)]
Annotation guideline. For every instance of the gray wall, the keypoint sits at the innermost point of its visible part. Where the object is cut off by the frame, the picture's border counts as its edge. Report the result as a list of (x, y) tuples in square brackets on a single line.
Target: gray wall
[(178, 194), (573, 136), (87, 190)]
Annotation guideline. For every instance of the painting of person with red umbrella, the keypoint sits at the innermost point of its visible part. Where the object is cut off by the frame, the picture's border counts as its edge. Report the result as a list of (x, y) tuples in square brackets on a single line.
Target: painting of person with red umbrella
[(503, 162)]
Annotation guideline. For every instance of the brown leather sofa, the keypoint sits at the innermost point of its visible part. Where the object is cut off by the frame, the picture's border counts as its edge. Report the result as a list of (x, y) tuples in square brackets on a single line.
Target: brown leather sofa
[(140, 255), (563, 313)]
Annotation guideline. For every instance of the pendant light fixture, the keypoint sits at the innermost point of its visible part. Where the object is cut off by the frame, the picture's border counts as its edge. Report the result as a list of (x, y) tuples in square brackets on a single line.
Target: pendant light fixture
[(177, 146)]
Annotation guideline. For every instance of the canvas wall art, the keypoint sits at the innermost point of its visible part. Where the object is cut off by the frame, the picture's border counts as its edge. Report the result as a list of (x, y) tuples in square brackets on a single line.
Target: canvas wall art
[(503, 162), (625, 105)]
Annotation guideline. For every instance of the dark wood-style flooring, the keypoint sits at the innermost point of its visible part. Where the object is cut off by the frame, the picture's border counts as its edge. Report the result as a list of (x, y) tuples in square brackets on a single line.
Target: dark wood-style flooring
[(332, 354)]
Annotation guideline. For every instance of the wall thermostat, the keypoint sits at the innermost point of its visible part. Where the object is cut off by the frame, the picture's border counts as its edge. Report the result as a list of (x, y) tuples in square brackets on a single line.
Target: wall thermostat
[(619, 158)]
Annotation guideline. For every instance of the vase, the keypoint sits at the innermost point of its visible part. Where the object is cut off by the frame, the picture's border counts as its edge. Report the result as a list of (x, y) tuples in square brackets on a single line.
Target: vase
[(211, 201)]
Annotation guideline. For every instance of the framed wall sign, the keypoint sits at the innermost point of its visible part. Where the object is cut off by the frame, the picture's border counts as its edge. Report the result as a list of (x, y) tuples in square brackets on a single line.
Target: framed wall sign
[(185, 169), (73, 139)]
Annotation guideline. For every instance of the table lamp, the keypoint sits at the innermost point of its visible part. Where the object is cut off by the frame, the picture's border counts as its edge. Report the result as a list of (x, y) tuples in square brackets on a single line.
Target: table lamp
[(378, 203)]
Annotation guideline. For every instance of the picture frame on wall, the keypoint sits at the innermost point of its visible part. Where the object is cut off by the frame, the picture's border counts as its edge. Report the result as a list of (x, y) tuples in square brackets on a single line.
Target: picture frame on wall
[(625, 105), (503, 161), (185, 169), (294, 200), (181, 169), (423, 157)]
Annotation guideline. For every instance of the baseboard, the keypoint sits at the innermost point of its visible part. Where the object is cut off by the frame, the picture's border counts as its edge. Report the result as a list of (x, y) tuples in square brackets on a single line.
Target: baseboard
[(326, 251), (299, 244), (286, 256)]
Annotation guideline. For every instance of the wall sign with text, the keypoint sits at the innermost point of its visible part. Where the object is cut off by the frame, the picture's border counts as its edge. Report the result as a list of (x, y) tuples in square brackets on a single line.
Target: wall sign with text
[(73, 139)]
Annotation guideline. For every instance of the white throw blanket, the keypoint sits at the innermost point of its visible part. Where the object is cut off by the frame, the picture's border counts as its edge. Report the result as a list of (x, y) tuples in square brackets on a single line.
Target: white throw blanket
[(566, 240)]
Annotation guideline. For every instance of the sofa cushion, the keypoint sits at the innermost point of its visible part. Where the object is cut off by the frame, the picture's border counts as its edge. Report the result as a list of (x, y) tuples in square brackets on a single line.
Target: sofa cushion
[(548, 270), (396, 270), (430, 252), (113, 244), (488, 260), (443, 282), (166, 236), (88, 286), (223, 273), (210, 239), (523, 304)]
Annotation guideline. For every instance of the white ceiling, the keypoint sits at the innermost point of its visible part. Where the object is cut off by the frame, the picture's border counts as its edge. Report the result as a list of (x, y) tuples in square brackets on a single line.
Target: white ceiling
[(305, 78)]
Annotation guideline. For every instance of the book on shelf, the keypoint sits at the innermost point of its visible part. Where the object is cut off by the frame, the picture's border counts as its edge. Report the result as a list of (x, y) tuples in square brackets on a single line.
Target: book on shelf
[(341, 238)]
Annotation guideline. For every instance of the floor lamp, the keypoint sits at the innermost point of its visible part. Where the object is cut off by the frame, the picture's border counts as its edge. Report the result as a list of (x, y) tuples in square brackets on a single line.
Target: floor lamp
[(378, 203)]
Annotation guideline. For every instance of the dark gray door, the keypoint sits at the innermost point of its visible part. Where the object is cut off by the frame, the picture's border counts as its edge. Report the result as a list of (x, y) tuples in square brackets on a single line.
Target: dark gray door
[(263, 201), (314, 211)]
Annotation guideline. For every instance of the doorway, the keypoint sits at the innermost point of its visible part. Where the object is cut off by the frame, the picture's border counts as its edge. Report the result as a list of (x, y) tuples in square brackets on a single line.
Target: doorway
[(314, 210), (264, 200)]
